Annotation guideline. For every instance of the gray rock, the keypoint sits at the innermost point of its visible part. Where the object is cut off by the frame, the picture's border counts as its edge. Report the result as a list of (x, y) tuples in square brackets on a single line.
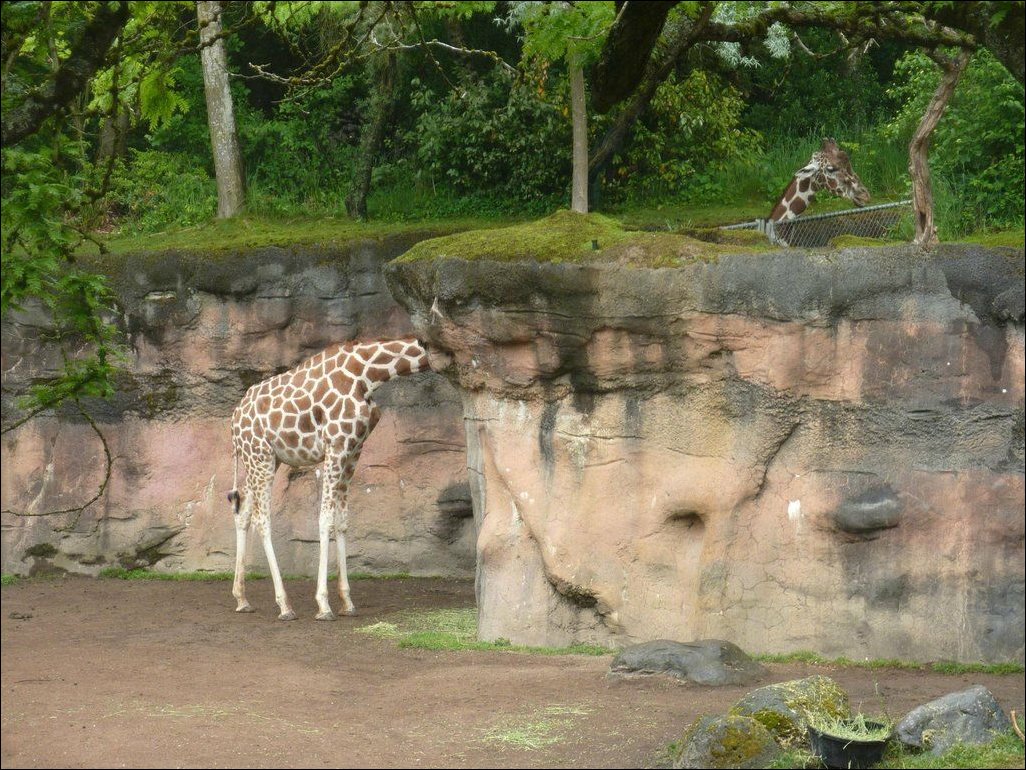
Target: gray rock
[(784, 708), (708, 661), (727, 741), (874, 509), (969, 716)]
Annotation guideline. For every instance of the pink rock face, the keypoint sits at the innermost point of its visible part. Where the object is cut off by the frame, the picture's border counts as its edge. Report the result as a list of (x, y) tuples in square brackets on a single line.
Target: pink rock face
[(833, 462), (195, 350)]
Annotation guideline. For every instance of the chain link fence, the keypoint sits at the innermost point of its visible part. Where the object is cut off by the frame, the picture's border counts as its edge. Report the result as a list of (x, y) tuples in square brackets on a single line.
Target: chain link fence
[(818, 230)]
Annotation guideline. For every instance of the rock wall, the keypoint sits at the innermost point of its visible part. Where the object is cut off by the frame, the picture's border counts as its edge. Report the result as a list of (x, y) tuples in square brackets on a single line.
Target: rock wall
[(789, 450), (201, 328)]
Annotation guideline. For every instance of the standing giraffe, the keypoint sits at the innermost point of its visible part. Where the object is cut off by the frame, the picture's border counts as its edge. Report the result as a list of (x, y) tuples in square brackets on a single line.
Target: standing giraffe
[(319, 412), (829, 168)]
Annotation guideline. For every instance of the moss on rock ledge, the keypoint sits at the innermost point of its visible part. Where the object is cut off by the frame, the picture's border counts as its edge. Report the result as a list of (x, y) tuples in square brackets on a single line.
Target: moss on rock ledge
[(568, 237)]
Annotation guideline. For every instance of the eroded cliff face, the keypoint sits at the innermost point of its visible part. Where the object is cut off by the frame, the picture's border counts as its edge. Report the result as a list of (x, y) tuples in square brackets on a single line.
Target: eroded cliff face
[(201, 329), (787, 450)]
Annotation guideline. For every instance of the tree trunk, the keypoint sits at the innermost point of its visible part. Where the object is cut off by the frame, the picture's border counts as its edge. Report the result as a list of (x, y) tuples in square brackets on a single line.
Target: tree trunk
[(113, 133), (660, 65), (373, 136), (579, 115), (918, 167), (224, 141)]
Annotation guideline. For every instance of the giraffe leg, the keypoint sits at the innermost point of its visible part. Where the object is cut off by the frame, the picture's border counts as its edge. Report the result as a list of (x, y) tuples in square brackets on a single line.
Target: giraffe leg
[(329, 482), (342, 524), (262, 520), (324, 531), (241, 526)]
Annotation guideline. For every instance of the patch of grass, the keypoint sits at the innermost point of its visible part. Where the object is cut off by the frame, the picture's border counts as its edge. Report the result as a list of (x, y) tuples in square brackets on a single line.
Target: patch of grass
[(456, 630), (1006, 750), (798, 656), (250, 232), (685, 216), (381, 630), (949, 667), (943, 667), (120, 573), (8, 580), (1015, 238), (370, 576), (535, 731), (568, 237)]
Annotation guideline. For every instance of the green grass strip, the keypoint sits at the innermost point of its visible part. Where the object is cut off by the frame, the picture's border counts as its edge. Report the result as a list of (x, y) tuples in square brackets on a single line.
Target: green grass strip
[(120, 573), (940, 667), (455, 630)]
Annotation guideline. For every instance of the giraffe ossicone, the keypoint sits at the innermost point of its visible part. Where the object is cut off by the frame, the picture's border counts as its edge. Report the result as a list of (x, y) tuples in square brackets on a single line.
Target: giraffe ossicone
[(829, 169), (319, 412)]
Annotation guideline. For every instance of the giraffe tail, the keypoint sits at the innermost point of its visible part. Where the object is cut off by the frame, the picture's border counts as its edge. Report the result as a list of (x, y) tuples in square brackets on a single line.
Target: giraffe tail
[(233, 496)]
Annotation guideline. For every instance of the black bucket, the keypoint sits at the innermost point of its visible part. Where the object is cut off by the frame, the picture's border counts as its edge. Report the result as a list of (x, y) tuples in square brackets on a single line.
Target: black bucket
[(841, 753)]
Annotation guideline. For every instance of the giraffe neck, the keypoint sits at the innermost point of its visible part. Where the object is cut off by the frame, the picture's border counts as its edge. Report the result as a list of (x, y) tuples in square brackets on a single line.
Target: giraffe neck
[(373, 363), (796, 197)]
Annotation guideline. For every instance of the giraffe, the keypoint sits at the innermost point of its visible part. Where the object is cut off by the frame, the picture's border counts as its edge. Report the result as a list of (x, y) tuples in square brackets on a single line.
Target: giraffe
[(319, 412), (829, 168)]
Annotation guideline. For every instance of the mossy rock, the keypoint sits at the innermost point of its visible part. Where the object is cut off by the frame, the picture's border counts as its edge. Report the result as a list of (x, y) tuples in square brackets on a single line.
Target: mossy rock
[(726, 741), (852, 241), (751, 238), (568, 237), (41, 551), (784, 708)]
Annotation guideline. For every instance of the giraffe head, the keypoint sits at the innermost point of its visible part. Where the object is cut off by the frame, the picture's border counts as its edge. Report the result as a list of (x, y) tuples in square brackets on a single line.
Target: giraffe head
[(830, 169)]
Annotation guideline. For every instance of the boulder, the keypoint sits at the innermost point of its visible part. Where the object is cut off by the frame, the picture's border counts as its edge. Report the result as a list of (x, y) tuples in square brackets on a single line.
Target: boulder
[(709, 662), (784, 708), (969, 716), (726, 742)]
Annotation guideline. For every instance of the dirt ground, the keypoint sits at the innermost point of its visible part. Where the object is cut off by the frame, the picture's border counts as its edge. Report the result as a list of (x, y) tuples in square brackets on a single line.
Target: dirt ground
[(157, 674)]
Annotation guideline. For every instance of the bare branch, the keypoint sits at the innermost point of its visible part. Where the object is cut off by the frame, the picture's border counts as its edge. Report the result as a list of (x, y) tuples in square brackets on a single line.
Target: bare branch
[(78, 509)]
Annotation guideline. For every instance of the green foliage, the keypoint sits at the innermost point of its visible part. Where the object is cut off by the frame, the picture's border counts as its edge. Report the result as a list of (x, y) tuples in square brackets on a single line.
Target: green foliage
[(158, 99), (297, 164), (571, 31), (681, 146), (801, 96), (8, 580), (157, 190), (494, 136)]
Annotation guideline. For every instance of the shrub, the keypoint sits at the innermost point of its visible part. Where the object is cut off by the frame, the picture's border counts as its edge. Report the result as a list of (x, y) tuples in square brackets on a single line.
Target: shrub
[(156, 190)]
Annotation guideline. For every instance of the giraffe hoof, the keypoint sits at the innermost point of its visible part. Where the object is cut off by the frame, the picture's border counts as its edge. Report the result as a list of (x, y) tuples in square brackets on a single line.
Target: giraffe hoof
[(290, 615), (329, 615), (244, 608), (350, 612)]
